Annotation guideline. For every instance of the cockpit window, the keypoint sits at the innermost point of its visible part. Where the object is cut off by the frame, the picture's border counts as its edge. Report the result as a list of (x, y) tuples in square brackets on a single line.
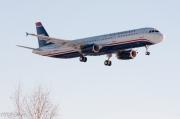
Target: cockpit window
[(153, 31)]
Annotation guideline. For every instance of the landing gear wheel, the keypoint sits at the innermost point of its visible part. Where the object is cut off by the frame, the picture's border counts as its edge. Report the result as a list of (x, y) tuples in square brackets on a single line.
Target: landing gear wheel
[(148, 53), (107, 63), (83, 59), (110, 63)]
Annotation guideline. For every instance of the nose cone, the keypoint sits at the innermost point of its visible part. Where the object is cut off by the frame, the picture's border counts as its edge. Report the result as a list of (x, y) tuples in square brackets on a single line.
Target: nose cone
[(158, 38), (161, 38)]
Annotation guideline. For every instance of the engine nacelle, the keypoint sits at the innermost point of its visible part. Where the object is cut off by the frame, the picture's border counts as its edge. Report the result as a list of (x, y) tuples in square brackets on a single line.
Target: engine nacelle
[(91, 48), (126, 55), (96, 48)]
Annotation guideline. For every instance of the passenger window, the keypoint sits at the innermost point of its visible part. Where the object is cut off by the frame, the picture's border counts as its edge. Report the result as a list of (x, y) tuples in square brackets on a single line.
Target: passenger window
[(153, 31), (150, 31)]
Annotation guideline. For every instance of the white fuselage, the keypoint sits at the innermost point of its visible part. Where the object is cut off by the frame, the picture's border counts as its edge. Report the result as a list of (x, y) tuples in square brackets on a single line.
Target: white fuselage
[(110, 43)]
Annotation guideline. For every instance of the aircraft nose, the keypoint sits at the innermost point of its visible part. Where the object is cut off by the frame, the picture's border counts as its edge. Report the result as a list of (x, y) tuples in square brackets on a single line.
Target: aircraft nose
[(161, 37)]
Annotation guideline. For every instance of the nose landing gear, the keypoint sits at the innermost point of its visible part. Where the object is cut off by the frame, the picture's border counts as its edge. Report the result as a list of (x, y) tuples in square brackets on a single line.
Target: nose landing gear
[(147, 52)]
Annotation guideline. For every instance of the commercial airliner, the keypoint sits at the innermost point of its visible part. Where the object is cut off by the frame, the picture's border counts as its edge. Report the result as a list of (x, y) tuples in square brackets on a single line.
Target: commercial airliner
[(121, 43)]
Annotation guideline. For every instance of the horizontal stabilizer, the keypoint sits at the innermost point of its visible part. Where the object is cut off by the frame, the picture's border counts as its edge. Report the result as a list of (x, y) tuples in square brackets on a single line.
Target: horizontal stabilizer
[(25, 47)]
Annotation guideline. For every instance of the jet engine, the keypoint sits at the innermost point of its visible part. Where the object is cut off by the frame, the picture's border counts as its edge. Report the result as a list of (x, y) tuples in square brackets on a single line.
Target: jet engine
[(96, 48), (92, 48), (126, 55)]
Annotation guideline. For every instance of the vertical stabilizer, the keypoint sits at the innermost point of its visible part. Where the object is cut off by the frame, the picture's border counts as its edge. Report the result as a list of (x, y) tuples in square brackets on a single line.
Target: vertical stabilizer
[(41, 31)]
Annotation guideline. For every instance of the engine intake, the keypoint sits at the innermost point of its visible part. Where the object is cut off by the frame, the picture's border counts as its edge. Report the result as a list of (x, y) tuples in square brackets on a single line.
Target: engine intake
[(126, 55), (92, 48), (95, 48)]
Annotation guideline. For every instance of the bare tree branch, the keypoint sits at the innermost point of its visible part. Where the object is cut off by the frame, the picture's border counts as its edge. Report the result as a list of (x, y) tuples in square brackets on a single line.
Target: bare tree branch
[(35, 106)]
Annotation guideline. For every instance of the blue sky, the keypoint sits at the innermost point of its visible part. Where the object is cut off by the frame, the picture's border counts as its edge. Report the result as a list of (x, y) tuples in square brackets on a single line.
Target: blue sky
[(146, 87)]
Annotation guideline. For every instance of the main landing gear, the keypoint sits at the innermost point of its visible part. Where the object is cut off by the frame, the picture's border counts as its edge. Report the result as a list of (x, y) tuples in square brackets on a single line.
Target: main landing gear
[(147, 52), (83, 59), (108, 62)]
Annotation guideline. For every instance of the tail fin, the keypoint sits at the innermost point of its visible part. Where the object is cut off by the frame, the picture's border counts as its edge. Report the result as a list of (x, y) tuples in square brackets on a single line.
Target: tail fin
[(41, 31)]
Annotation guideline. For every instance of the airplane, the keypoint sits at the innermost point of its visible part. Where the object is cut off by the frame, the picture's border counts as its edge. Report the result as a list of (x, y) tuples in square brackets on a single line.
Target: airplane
[(121, 43)]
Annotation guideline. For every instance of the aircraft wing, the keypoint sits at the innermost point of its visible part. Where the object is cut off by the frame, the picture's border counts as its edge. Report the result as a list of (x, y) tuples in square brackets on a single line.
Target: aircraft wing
[(56, 41), (69, 43)]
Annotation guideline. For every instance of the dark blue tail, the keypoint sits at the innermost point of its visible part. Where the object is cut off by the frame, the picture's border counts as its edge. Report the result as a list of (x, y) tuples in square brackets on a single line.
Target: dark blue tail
[(41, 31)]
